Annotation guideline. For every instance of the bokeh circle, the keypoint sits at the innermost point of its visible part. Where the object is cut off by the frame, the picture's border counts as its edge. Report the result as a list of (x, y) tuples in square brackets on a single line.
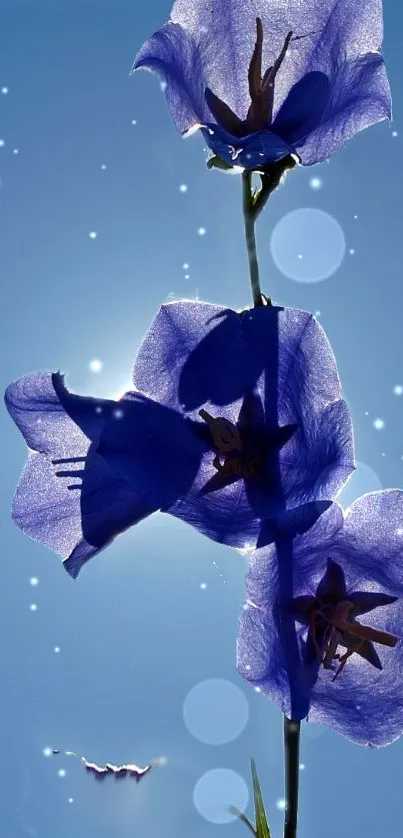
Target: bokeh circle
[(308, 245), (215, 711), (216, 791)]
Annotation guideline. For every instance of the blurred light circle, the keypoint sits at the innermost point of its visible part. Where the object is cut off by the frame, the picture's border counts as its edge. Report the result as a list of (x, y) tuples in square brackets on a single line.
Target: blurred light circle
[(363, 480), (216, 791), (215, 711), (308, 245)]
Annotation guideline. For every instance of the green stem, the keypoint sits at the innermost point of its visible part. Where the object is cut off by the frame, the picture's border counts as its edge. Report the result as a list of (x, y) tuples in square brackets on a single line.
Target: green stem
[(249, 223), (291, 755)]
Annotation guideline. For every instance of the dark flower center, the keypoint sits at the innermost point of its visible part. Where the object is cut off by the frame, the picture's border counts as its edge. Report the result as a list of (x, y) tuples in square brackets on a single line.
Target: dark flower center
[(233, 457), (261, 91), (333, 625)]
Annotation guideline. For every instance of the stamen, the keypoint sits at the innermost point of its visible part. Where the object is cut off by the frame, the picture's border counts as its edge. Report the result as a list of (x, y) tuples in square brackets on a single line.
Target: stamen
[(255, 67), (226, 436)]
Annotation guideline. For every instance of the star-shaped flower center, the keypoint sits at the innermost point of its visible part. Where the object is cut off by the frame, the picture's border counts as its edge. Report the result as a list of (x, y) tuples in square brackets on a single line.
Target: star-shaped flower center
[(261, 91), (242, 449), (331, 620)]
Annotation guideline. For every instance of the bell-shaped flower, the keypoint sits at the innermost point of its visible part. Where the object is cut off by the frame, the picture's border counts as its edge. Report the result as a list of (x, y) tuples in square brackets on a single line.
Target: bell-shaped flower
[(261, 392), (320, 632), (266, 80), (69, 498)]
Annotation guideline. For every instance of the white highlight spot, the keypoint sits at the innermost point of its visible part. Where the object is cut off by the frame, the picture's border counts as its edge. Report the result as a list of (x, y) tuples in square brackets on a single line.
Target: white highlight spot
[(95, 365), (186, 266), (71, 799), (56, 650), (134, 121), (351, 251), (398, 390), (163, 85), (2, 143), (98, 409), (216, 791), (280, 804), (103, 167), (183, 188), (47, 752), (15, 150), (203, 586), (257, 690), (215, 711), (4, 90), (93, 234), (315, 183), (34, 581), (395, 134), (118, 413), (33, 606), (302, 766), (379, 424), (61, 772), (201, 231), (399, 531)]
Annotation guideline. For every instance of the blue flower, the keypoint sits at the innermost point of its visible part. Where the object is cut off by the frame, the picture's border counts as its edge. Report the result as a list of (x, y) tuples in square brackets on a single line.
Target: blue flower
[(235, 418), (261, 391), (320, 631), (69, 497), (300, 79)]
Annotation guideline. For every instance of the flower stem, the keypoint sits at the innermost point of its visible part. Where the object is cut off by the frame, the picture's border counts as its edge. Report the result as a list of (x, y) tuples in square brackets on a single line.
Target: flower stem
[(291, 756), (249, 223)]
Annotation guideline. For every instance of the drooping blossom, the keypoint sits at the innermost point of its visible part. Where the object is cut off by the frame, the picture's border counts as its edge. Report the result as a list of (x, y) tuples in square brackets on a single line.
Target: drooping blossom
[(262, 393), (321, 629), (69, 498), (265, 79)]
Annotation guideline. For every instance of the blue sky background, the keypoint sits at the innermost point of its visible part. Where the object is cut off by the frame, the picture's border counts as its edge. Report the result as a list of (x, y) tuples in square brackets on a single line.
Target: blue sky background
[(104, 666)]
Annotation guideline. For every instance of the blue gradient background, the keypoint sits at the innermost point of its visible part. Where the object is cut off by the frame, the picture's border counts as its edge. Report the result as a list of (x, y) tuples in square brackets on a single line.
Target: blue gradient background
[(136, 632)]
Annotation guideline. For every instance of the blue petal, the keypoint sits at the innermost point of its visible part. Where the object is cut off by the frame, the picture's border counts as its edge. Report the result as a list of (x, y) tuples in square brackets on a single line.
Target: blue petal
[(153, 448), (68, 498), (175, 56), (363, 703), (38, 404), (303, 108), (360, 97), (284, 349)]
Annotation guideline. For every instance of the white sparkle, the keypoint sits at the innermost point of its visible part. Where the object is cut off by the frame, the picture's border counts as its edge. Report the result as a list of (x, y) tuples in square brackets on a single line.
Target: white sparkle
[(47, 752), (33, 606), (280, 804), (201, 231), (98, 409), (367, 413), (183, 187), (187, 276), (203, 586), (351, 251), (399, 531), (300, 256), (378, 424), (61, 772), (2, 143), (103, 167), (15, 150), (395, 134), (186, 266), (95, 365), (134, 121), (118, 413), (398, 390), (317, 313), (315, 183), (4, 90), (71, 799), (257, 690), (302, 766), (163, 85), (355, 217), (34, 581), (56, 650), (93, 234)]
